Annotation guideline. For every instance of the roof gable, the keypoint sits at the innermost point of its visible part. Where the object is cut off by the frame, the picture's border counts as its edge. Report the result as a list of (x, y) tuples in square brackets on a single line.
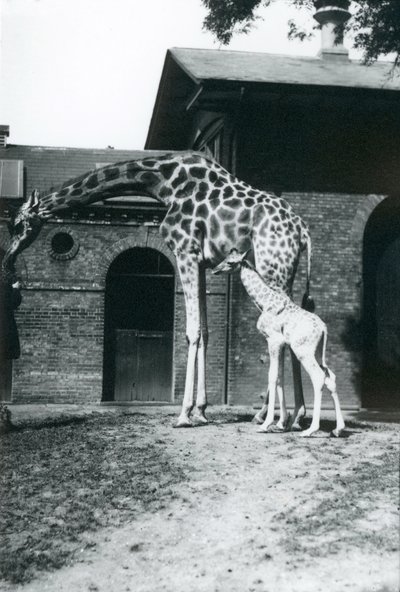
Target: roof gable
[(206, 64)]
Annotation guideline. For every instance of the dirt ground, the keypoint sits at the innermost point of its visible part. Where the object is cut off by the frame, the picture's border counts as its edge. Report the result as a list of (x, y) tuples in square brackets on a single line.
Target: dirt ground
[(217, 508)]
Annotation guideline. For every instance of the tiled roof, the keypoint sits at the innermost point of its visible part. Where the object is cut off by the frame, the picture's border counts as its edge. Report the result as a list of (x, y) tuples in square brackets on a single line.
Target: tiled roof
[(49, 167), (208, 64)]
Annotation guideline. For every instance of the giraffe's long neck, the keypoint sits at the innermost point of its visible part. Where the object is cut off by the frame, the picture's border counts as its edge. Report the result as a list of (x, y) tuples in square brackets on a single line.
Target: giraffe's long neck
[(147, 176), (171, 177), (264, 297)]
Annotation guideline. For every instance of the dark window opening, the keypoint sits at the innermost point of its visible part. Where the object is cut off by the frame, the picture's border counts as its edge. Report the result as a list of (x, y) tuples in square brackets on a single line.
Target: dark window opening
[(62, 243)]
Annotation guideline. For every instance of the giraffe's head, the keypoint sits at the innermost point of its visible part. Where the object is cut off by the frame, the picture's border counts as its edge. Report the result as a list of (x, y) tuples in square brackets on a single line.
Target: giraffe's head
[(231, 263), (24, 228)]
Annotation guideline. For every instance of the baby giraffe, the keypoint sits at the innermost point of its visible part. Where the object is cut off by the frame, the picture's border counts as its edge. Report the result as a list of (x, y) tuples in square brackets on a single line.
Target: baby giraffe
[(283, 322)]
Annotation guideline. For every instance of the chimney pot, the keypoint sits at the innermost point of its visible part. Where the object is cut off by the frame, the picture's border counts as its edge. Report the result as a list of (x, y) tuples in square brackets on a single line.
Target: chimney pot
[(332, 15), (4, 133)]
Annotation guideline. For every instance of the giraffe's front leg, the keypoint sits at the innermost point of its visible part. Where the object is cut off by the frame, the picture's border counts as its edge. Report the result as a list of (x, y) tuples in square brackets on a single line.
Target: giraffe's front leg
[(260, 416), (184, 420), (189, 274), (274, 354), (201, 400), (299, 406), (283, 414)]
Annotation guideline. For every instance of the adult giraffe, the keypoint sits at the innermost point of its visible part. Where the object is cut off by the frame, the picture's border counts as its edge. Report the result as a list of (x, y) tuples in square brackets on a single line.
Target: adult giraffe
[(210, 212)]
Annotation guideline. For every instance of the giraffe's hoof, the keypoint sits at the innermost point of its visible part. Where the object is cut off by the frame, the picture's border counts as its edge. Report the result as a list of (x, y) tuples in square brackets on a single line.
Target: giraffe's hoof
[(336, 433), (184, 422), (278, 427), (316, 432), (264, 429), (295, 427), (306, 434), (257, 419), (200, 419)]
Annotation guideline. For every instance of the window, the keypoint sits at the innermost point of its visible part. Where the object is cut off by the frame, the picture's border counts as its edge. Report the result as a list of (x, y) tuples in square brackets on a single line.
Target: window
[(209, 140), (12, 178), (63, 244)]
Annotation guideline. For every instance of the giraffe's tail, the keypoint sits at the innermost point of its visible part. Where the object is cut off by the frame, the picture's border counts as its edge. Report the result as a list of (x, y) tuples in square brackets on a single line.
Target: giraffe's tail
[(307, 302)]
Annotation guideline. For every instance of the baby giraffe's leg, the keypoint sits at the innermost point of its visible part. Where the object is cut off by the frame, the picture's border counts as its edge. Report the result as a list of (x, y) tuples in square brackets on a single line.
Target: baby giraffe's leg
[(299, 406), (283, 417), (260, 416), (330, 381), (317, 376), (283, 414), (274, 351)]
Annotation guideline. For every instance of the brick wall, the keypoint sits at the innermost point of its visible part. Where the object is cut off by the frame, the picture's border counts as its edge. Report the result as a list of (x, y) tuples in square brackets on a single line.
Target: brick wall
[(62, 316), (336, 285), (61, 319), (62, 347)]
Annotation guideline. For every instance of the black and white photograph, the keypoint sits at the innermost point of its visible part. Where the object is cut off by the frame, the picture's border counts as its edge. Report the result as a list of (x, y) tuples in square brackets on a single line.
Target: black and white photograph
[(199, 295)]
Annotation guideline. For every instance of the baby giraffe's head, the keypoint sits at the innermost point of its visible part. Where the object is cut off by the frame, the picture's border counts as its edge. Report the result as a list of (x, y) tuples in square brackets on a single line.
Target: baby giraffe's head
[(231, 263)]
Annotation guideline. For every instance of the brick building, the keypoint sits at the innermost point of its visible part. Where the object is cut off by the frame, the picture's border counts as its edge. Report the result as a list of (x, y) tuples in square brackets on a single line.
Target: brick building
[(102, 317)]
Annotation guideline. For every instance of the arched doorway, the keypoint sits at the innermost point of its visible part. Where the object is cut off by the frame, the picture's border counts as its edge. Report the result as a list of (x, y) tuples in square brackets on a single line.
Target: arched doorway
[(138, 329), (381, 310)]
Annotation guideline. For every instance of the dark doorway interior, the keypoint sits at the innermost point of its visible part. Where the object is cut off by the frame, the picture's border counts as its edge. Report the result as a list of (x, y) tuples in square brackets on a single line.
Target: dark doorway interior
[(139, 316), (381, 312)]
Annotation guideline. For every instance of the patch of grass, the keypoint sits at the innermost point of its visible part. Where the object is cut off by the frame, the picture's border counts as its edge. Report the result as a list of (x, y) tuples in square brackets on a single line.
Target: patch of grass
[(340, 506), (59, 482)]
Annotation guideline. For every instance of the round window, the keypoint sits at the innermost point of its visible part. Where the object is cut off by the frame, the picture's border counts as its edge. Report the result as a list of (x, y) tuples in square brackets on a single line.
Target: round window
[(63, 245)]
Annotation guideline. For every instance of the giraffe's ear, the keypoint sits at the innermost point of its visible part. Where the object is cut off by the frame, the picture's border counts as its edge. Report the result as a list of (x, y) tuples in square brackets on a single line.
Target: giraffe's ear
[(243, 257), (33, 201)]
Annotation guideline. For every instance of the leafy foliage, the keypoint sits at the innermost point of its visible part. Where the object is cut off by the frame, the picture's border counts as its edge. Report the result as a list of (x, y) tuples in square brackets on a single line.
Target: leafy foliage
[(227, 17), (375, 24)]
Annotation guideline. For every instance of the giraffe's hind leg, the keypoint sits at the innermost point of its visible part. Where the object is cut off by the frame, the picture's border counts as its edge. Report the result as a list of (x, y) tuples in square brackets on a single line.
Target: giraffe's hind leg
[(330, 382), (260, 416), (317, 376)]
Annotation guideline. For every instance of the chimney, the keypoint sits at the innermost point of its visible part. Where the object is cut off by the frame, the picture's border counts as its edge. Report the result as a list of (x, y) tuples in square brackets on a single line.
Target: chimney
[(332, 16), (4, 133)]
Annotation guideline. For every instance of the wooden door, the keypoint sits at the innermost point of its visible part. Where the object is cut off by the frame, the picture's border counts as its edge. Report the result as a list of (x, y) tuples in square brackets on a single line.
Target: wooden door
[(143, 365), (126, 365)]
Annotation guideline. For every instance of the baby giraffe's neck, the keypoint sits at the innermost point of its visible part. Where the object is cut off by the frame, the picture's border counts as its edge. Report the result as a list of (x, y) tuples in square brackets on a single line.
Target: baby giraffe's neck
[(264, 297)]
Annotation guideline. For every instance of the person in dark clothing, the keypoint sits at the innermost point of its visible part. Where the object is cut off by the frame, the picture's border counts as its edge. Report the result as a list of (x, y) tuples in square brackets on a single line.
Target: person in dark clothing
[(10, 300)]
